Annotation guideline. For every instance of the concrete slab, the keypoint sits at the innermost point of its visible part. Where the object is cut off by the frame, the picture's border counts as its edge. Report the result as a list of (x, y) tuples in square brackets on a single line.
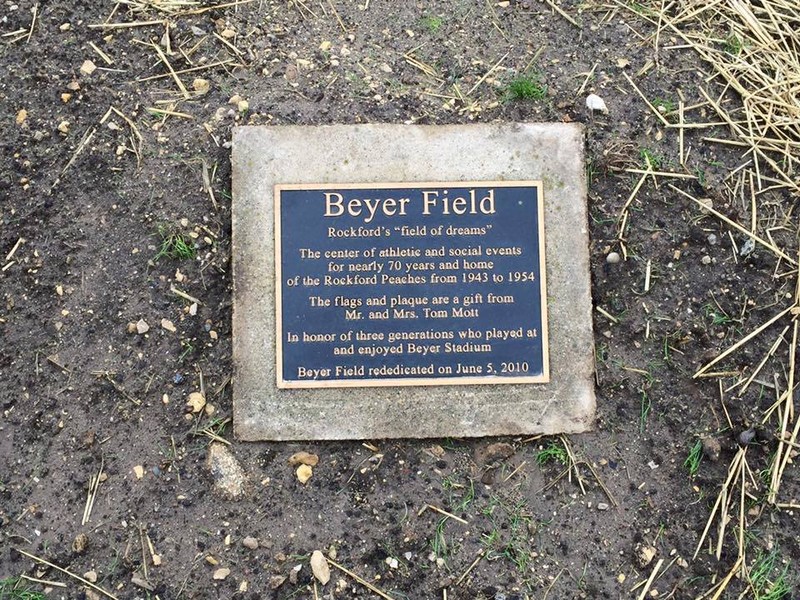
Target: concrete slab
[(345, 154)]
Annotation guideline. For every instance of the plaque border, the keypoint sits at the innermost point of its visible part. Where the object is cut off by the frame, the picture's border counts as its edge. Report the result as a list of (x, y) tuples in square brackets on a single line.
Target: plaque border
[(410, 381)]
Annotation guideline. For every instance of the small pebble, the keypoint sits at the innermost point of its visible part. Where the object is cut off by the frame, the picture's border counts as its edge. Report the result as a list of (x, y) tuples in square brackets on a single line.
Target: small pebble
[(613, 258), (747, 436), (178, 379), (712, 239), (602, 506), (250, 542), (706, 260)]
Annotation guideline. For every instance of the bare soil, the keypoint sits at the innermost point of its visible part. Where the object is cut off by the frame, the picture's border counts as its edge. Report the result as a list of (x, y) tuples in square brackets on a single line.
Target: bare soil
[(100, 166)]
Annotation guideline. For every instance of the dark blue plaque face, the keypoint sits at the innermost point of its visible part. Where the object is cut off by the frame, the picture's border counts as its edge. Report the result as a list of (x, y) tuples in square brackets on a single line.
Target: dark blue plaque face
[(410, 284)]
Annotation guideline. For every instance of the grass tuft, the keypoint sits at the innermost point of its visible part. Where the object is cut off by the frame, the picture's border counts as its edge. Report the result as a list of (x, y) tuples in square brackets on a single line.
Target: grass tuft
[(761, 573), (692, 461), (175, 245), (553, 451), (432, 23), (526, 87), (14, 588)]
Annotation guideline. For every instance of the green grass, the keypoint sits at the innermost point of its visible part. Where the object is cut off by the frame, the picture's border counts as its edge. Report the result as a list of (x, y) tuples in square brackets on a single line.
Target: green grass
[(644, 410), (439, 545), (665, 105), (15, 588), (188, 348), (692, 461), (432, 23), (175, 245), (526, 87), (716, 314), (761, 573), (553, 452), (648, 156), (733, 44), (510, 535)]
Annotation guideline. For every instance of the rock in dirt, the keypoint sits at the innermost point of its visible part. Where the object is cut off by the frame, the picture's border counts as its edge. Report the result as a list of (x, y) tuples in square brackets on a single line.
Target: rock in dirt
[(644, 554), (230, 479), (88, 67), (613, 258), (276, 581), (304, 473), (303, 458), (196, 402), (142, 327), (747, 436), (294, 573), (250, 542), (80, 543), (221, 574), (90, 576), (141, 582), (320, 567), (711, 447), (596, 103), (494, 453), (201, 86)]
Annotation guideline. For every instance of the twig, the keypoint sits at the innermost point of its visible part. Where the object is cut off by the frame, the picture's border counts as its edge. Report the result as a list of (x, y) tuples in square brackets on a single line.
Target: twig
[(560, 11), (35, 12), (485, 75), (515, 471), (552, 583), (14, 249), (184, 295), (125, 25), (441, 511), (177, 79), (336, 14), (606, 314), (94, 484), (71, 574), (475, 562), (208, 187), (651, 580), (646, 101), (189, 70), (741, 342), (59, 584), (734, 224), (360, 580)]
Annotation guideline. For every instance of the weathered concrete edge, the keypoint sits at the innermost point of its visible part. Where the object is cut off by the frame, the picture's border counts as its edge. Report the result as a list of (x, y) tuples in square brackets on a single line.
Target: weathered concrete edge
[(393, 412)]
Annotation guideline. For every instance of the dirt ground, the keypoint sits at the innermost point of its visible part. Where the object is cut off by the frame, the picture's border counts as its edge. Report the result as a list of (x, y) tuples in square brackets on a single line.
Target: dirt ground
[(116, 307)]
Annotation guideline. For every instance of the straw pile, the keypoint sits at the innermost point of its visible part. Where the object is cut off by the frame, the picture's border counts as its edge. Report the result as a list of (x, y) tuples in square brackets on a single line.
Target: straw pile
[(754, 49)]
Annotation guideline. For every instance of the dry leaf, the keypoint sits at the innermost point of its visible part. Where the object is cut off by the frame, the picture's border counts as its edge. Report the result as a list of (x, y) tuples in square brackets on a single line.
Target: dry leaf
[(303, 458), (320, 568)]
